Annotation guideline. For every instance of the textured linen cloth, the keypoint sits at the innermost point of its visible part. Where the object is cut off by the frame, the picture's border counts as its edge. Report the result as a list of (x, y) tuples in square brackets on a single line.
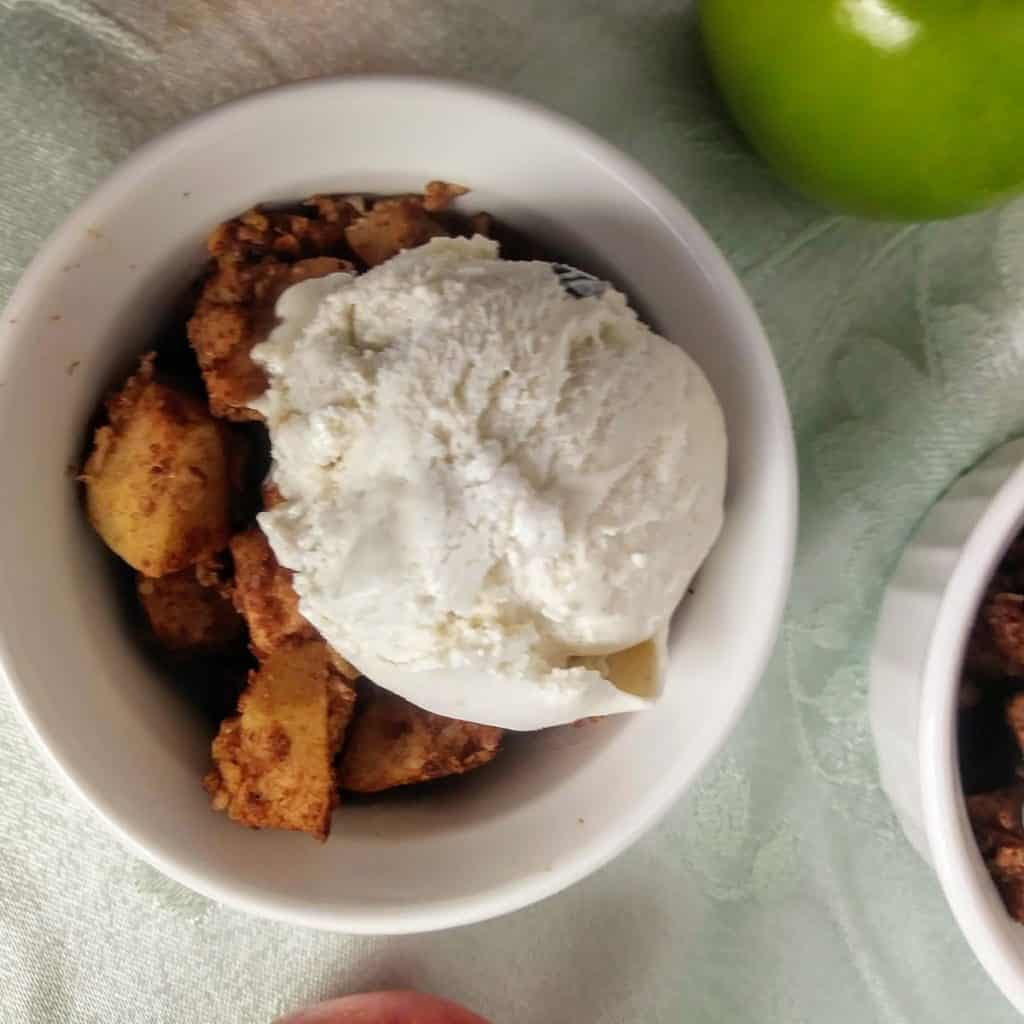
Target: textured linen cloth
[(781, 890)]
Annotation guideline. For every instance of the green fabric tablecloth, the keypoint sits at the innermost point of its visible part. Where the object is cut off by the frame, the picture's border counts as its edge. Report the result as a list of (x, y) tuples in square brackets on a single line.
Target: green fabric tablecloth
[(781, 890)]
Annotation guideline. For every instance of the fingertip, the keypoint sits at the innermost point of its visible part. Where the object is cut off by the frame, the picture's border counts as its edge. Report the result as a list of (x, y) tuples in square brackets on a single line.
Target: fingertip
[(391, 1007)]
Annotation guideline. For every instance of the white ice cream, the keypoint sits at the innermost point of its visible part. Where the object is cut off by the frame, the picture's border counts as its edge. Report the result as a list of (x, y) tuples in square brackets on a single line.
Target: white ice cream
[(485, 478)]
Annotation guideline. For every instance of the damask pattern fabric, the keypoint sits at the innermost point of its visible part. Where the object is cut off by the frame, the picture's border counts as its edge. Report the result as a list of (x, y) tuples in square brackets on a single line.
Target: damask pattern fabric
[(781, 889)]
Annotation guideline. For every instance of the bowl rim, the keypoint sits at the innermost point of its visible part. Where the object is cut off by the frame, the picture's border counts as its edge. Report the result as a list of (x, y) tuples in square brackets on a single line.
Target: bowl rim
[(720, 277), (951, 841)]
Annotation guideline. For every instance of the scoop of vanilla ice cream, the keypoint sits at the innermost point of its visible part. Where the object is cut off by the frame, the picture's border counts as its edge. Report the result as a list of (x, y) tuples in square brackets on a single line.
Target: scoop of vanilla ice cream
[(487, 483)]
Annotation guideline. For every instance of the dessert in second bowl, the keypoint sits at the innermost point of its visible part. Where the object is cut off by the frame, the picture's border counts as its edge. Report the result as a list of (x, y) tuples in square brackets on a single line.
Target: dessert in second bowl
[(489, 485), (991, 729)]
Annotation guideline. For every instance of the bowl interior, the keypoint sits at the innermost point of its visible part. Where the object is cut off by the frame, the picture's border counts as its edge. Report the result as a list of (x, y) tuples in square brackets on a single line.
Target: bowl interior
[(556, 804)]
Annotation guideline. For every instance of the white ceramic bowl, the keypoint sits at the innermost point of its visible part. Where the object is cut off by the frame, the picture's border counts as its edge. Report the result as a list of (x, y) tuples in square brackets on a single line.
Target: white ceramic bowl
[(555, 806), (926, 617)]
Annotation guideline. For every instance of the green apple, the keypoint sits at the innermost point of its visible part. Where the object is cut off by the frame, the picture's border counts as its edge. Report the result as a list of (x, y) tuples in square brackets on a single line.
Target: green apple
[(899, 109)]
